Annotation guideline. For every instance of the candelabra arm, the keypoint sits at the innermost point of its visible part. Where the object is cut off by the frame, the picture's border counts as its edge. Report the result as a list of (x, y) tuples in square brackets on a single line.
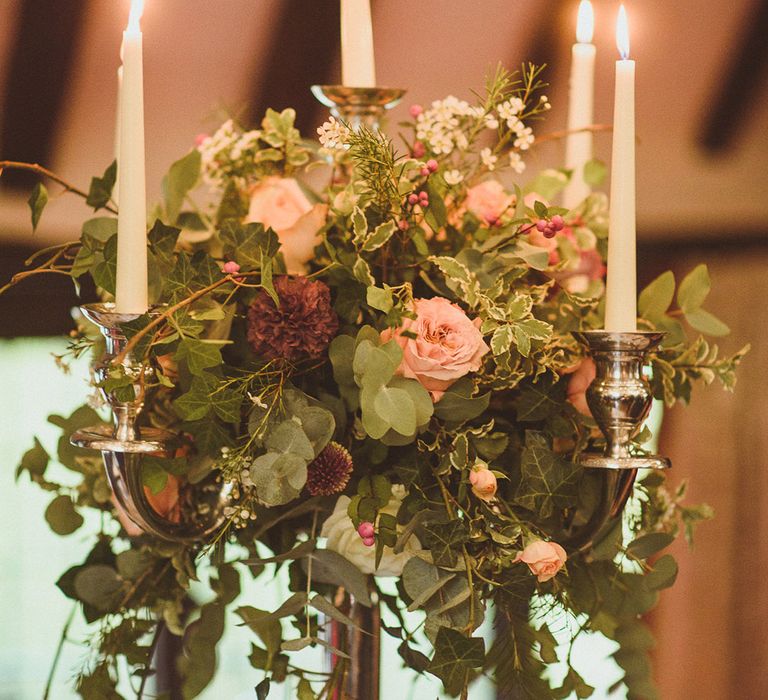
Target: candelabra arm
[(124, 444)]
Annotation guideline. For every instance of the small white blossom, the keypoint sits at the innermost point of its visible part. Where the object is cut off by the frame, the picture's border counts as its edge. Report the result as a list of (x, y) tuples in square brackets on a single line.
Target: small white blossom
[(453, 177), (490, 121), (489, 160), (509, 109), (333, 135), (525, 139), (516, 162)]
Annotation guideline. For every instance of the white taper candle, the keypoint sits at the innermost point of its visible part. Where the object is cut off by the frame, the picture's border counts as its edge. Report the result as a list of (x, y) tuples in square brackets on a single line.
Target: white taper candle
[(357, 63), (621, 292), (131, 286), (581, 98)]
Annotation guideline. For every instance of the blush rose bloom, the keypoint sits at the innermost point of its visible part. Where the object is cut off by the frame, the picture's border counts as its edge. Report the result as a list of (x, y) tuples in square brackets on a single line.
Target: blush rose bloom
[(446, 347), (166, 505), (483, 482), (278, 202), (544, 559), (488, 201), (581, 377), (344, 539)]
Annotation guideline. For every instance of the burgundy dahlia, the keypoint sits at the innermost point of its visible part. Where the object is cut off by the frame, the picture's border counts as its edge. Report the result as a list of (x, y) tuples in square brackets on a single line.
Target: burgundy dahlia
[(303, 326), (330, 471)]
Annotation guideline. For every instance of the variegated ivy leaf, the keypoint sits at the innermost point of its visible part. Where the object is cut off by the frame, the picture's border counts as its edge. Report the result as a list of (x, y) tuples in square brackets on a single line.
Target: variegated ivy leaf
[(381, 234), (359, 225)]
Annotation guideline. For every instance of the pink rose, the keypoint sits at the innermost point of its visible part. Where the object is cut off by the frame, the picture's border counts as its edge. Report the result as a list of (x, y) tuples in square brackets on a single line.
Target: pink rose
[(488, 201), (279, 203), (544, 559), (581, 377), (446, 347), (483, 482), (165, 504)]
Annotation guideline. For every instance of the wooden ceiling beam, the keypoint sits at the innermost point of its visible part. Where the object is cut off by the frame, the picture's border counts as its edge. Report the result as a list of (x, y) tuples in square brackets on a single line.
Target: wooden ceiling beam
[(40, 67), (738, 91), (304, 51)]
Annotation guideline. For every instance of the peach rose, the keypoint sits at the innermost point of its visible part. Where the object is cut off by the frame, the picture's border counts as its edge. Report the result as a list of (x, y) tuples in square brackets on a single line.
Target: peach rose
[(446, 347), (581, 377), (279, 203), (488, 201), (165, 504), (590, 267), (544, 559), (483, 482)]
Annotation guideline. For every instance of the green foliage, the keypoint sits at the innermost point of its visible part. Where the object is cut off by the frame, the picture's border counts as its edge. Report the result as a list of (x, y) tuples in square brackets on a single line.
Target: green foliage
[(397, 230), (100, 191), (37, 201)]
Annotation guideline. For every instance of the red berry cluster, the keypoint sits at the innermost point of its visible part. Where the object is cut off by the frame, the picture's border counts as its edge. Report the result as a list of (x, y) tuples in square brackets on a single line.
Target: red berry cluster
[(550, 227)]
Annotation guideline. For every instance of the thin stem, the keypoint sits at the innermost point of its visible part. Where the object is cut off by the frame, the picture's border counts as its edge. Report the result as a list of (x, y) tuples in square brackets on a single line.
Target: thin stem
[(59, 647), (40, 170), (131, 344), (555, 135)]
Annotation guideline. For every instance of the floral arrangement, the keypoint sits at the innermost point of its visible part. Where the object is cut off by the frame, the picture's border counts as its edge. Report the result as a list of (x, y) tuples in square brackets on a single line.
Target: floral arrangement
[(371, 347)]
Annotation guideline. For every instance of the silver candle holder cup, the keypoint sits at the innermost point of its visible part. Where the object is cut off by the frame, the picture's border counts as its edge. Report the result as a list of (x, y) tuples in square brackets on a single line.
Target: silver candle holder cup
[(620, 397), (124, 444), (358, 106)]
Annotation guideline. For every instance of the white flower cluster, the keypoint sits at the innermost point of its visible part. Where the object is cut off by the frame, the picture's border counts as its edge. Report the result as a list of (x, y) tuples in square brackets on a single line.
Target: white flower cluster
[(510, 111), (228, 151), (333, 135), (440, 125)]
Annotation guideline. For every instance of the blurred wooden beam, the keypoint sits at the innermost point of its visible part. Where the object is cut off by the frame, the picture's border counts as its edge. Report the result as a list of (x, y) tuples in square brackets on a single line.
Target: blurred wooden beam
[(40, 67), (304, 52), (738, 90)]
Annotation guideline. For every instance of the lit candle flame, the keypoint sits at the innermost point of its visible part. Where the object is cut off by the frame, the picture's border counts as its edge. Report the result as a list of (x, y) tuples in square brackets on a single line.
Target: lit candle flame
[(137, 8), (622, 33), (585, 25)]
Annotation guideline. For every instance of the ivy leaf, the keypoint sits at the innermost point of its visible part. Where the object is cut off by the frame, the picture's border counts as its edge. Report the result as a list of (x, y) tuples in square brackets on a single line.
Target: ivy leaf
[(458, 404), (548, 480), (198, 355), (656, 298), (444, 541), (37, 201), (105, 273), (162, 240), (101, 188), (246, 244), (99, 585), (100, 229), (182, 177), (694, 289), (455, 657), (540, 400), (62, 516)]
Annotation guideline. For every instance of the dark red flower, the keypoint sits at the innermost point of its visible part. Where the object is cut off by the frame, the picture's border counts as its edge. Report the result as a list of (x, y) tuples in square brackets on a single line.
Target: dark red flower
[(330, 471), (303, 326)]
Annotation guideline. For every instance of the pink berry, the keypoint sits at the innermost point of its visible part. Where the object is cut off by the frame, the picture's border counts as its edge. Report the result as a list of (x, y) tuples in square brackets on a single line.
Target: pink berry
[(425, 171), (541, 225), (415, 110), (418, 149), (365, 530), (432, 165), (230, 267), (557, 222), (424, 196), (413, 198), (369, 541), (200, 139), (549, 232)]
